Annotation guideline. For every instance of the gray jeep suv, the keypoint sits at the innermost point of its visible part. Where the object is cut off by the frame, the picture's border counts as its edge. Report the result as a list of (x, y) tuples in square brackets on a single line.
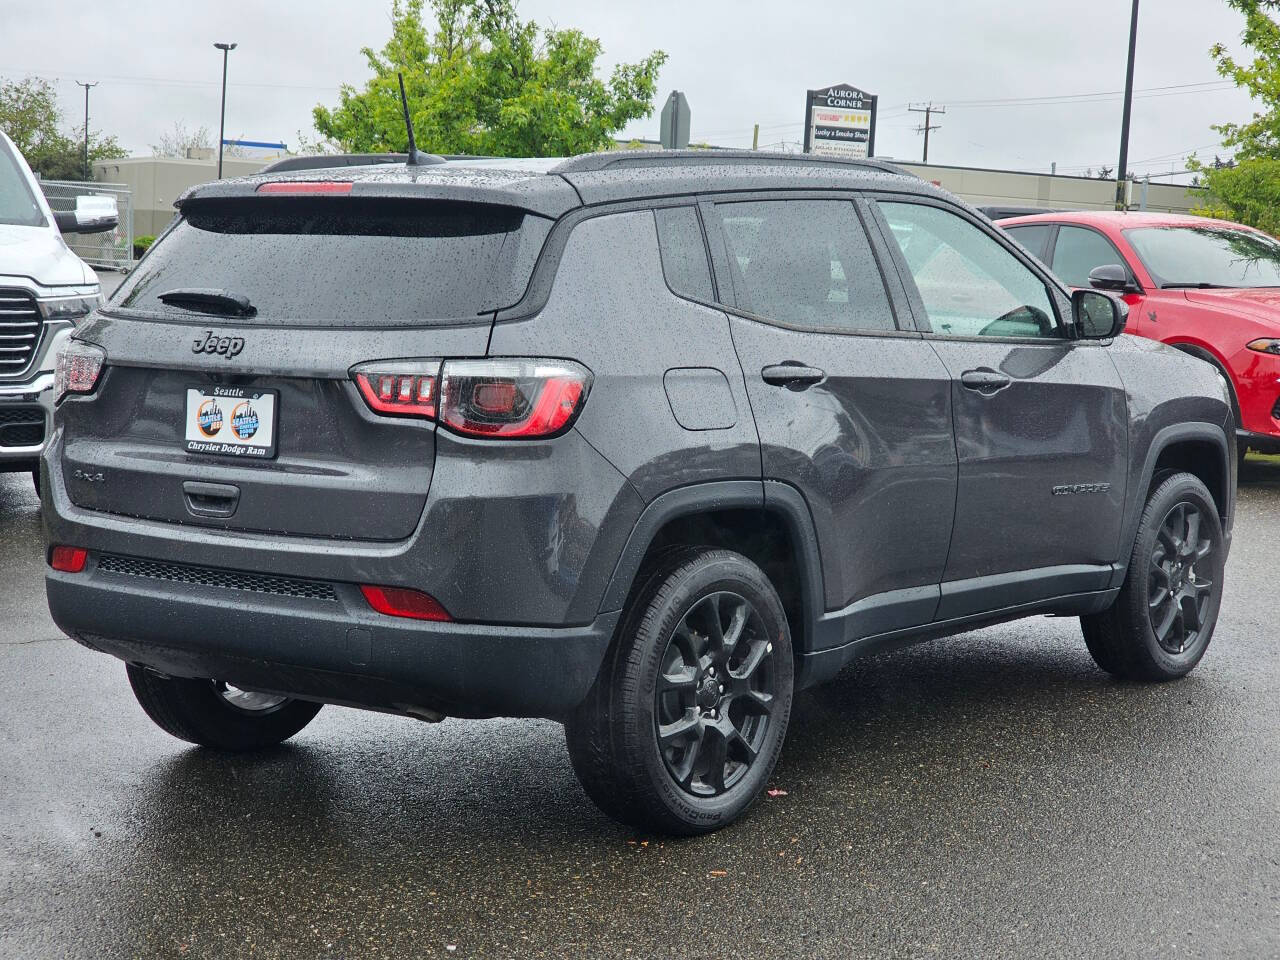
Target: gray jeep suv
[(641, 442)]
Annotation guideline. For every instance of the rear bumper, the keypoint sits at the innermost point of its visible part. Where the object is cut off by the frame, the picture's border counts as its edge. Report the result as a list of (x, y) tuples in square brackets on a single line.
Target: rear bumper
[(332, 649)]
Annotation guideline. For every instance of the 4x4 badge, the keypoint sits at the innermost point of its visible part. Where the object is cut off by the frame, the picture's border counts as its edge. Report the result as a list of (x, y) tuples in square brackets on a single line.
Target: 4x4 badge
[(226, 346)]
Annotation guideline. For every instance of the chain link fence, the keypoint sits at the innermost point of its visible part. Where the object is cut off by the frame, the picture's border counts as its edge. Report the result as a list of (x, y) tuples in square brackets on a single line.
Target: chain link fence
[(112, 249)]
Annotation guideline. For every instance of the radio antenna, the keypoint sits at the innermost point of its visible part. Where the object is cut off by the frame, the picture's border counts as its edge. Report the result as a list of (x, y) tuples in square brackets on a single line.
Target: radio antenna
[(416, 159)]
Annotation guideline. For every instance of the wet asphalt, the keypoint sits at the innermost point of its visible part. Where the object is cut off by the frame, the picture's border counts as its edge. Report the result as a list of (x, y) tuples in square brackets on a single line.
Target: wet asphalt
[(989, 795)]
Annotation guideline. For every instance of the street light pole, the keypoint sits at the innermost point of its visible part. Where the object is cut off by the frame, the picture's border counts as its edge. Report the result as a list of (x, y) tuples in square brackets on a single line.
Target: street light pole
[(86, 126), (226, 48), (1122, 168)]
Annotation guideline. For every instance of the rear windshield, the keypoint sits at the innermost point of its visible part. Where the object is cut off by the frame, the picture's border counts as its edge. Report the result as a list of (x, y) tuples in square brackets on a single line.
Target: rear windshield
[(343, 262)]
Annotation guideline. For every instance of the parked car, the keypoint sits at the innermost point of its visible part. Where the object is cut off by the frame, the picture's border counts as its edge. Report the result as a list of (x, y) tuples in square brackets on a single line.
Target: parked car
[(45, 289), (645, 443), (1207, 287)]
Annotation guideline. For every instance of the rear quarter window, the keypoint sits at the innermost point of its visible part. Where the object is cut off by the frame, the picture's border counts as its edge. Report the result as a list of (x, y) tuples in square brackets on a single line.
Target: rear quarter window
[(344, 261)]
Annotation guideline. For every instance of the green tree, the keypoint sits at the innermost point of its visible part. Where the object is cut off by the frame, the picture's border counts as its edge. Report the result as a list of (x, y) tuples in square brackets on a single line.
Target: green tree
[(482, 81), (30, 115), (1246, 188)]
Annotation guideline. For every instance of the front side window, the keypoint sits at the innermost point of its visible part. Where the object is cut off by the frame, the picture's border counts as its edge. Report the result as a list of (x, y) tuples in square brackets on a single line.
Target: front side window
[(1080, 250), (1208, 256), (970, 285), (805, 263), (18, 206)]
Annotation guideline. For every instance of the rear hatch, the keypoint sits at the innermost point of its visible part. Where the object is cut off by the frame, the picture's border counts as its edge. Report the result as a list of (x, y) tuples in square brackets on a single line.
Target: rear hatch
[(277, 298)]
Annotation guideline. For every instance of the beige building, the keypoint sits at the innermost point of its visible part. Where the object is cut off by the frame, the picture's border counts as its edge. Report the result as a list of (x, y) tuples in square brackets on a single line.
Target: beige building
[(1008, 188), (157, 182)]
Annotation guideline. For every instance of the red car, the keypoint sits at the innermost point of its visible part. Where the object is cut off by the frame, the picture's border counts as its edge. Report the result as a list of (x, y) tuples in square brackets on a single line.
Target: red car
[(1207, 287)]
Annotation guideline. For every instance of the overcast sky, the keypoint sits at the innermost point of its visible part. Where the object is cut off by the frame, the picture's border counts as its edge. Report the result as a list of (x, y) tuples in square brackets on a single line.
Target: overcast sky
[(738, 63)]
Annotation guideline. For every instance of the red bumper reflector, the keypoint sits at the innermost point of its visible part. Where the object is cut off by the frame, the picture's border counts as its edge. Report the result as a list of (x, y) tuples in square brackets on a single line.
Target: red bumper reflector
[(306, 187), (402, 602), (68, 559)]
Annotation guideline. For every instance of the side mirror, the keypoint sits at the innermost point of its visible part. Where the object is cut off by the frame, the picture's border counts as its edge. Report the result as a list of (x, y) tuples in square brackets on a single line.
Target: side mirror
[(91, 215), (1111, 276), (1098, 316)]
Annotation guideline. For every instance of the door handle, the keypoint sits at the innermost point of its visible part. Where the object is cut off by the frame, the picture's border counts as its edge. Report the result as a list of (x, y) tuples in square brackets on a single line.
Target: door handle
[(211, 499), (985, 381), (792, 374)]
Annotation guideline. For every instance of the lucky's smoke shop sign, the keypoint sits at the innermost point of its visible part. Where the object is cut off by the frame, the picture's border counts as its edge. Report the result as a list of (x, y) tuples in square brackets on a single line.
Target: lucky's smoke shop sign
[(840, 121)]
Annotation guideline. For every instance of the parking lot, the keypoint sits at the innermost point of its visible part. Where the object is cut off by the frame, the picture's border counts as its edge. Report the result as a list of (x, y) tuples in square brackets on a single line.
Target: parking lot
[(988, 795)]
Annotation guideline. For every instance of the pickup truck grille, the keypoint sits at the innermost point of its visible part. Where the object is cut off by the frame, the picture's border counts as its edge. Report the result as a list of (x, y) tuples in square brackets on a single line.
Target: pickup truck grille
[(20, 328), (21, 425)]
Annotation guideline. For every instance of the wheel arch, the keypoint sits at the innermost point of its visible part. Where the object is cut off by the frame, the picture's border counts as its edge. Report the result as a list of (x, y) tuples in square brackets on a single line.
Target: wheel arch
[(767, 521), (1201, 449), (1206, 353)]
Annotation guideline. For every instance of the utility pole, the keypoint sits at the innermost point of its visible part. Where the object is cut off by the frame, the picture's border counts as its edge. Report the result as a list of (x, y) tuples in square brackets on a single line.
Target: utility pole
[(755, 138), (1122, 168), (226, 48), (86, 126), (928, 112)]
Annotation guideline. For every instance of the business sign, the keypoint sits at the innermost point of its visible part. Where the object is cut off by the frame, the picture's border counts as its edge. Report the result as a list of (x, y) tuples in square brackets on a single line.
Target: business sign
[(840, 121)]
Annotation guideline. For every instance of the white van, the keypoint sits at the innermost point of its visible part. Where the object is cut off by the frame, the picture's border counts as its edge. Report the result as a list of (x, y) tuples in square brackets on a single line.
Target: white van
[(45, 289)]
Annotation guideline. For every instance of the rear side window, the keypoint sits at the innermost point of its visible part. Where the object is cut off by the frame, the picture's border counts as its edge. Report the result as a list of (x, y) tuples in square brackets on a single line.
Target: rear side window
[(345, 261), (805, 263), (684, 253), (1034, 236)]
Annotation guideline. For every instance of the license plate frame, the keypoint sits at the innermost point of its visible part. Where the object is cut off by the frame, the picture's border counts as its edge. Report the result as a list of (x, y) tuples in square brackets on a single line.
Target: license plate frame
[(217, 421)]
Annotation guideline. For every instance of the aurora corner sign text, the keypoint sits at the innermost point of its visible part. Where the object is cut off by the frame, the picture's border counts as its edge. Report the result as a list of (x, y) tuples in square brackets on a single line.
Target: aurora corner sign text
[(840, 121)]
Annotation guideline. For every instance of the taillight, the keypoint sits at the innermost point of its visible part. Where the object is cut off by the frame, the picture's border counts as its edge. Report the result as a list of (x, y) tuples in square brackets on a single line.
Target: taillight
[(403, 602), (504, 398), (77, 368), (406, 389), (511, 398), (68, 559)]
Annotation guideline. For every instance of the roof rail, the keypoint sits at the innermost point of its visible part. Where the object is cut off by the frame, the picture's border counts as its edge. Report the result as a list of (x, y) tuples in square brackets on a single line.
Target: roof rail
[(616, 159)]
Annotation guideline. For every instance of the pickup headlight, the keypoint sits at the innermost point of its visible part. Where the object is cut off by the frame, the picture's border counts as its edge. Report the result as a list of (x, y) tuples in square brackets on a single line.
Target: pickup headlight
[(1265, 346), (70, 308)]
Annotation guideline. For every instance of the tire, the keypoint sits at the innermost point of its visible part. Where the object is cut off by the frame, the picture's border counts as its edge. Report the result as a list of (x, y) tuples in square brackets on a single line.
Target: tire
[(35, 479), (724, 707), (1161, 623), (205, 713)]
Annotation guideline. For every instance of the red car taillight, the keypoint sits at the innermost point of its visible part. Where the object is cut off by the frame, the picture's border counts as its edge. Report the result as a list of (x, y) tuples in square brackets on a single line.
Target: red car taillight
[(400, 389), (77, 368), (501, 398), (68, 559)]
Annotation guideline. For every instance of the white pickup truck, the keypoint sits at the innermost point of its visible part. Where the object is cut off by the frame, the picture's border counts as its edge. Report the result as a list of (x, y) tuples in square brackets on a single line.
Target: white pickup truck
[(44, 290)]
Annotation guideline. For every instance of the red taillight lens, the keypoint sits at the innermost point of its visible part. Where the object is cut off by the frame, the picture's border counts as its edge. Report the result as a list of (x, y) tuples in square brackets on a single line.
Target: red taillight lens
[(306, 188), (507, 399), (77, 368), (68, 559), (511, 399), (402, 602), (401, 389)]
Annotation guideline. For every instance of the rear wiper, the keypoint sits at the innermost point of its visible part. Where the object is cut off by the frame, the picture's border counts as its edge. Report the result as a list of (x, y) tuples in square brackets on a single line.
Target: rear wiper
[(1196, 286), (205, 300)]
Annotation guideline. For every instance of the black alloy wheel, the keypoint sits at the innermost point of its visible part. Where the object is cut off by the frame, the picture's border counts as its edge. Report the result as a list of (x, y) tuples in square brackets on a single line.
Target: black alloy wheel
[(715, 694), (1181, 579)]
